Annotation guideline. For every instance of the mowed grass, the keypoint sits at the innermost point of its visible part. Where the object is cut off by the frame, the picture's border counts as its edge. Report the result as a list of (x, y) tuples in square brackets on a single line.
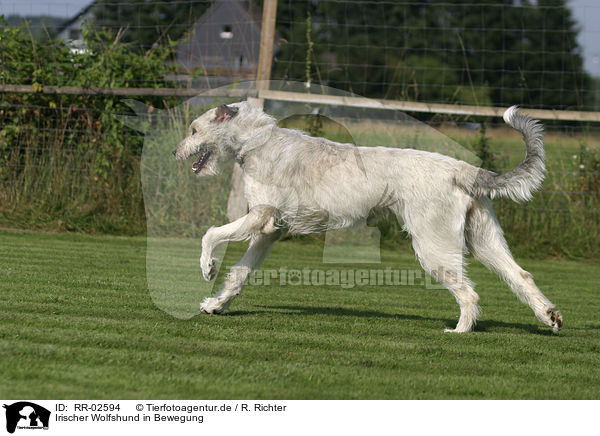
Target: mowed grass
[(77, 321)]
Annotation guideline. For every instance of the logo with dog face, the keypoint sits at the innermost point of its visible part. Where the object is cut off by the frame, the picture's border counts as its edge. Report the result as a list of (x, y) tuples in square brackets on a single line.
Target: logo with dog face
[(26, 415)]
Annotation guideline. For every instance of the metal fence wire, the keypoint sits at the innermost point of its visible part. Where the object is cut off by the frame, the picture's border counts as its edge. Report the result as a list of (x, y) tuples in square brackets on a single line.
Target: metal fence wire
[(484, 54)]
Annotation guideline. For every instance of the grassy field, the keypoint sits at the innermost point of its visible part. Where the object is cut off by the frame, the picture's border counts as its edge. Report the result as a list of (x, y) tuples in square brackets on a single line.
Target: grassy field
[(77, 322)]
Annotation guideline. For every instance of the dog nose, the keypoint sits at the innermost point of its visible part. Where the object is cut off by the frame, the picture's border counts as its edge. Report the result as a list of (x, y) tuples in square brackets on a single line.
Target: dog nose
[(174, 152)]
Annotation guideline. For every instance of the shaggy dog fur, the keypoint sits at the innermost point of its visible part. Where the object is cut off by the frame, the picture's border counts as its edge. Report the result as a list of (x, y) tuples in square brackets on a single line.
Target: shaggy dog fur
[(300, 184)]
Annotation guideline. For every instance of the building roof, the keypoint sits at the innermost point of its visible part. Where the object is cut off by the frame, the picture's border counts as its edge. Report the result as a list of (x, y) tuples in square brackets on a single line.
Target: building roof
[(227, 36), (81, 14)]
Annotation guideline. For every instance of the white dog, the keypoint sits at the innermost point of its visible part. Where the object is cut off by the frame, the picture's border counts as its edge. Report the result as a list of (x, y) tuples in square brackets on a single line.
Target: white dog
[(300, 184)]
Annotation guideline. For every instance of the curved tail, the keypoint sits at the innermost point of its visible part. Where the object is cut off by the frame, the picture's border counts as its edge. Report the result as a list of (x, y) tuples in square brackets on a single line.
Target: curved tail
[(518, 184)]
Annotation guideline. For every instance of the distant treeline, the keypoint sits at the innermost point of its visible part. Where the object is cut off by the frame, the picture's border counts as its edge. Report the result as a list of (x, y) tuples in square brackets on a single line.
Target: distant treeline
[(497, 52)]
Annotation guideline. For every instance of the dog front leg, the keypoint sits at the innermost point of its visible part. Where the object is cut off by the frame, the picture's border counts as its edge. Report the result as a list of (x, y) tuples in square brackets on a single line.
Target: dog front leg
[(255, 221), (237, 278)]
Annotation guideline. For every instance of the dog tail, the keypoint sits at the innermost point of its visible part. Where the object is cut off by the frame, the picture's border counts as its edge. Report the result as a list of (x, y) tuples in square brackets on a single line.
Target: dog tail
[(520, 183)]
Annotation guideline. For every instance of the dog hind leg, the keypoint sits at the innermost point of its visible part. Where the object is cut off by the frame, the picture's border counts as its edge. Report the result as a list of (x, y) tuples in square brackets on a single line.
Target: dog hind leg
[(486, 242), (440, 252)]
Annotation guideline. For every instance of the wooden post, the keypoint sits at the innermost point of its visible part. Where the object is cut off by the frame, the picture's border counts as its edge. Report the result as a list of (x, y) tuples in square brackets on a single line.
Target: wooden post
[(237, 206), (267, 37)]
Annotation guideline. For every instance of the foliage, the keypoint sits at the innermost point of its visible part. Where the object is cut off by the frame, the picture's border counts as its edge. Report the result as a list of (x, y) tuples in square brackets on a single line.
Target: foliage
[(502, 51), (149, 22), (483, 150), (428, 79), (42, 27), (596, 87), (65, 158)]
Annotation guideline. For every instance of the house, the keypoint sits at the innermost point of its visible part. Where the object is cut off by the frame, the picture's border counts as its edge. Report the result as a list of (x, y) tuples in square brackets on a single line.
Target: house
[(225, 41), (223, 44), (71, 31)]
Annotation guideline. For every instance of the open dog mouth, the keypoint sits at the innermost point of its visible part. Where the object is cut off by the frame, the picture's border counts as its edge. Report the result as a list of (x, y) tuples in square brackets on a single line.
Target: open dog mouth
[(200, 162)]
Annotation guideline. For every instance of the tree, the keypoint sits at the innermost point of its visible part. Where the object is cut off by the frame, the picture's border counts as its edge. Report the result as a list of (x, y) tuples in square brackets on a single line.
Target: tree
[(148, 22), (42, 27), (290, 60), (501, 52)]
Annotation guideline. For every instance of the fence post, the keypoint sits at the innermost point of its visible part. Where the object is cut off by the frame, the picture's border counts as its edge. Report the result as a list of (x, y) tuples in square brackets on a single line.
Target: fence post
[(237, 206), (267, 38)]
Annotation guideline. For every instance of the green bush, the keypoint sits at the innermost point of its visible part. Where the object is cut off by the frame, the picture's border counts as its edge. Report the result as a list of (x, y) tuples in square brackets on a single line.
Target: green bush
[(65, 161)]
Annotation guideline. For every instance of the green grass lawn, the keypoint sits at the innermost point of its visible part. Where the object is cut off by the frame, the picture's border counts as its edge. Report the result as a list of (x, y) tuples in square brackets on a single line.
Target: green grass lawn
[(77, 321)]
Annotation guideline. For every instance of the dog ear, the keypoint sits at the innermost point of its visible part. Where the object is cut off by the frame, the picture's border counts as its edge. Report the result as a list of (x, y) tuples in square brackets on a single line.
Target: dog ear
[(225, 113)]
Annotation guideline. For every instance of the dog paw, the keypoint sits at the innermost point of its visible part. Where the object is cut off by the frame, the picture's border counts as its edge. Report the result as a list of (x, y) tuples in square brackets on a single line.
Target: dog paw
[(211, 306), (556, 320), (455, 331), (209, 268)]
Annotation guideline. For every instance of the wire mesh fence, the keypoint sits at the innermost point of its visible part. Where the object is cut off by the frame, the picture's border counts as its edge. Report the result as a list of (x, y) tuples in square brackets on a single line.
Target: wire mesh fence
[(494, 52), (491, 52), (60, 153)]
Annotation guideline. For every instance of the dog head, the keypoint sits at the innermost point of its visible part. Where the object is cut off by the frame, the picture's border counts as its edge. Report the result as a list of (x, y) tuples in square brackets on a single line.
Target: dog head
[(220, 135)]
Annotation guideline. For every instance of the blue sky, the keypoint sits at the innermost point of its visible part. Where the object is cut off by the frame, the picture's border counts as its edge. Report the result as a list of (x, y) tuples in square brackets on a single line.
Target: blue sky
[(58, 8), (587, 13)]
